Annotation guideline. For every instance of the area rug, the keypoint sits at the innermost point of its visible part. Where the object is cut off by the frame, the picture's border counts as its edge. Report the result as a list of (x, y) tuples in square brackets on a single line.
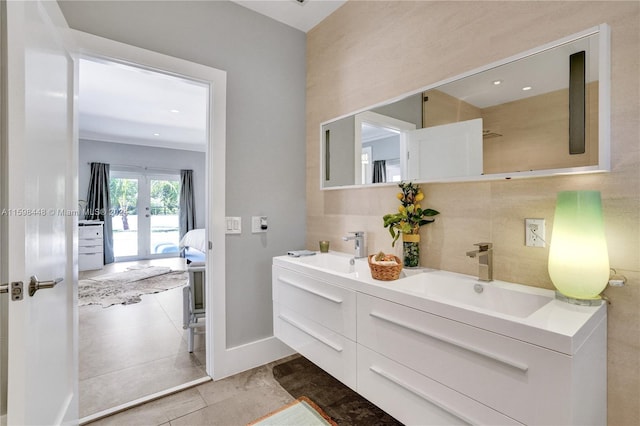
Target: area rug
[(301, 412), (126, 287), (300, 376)]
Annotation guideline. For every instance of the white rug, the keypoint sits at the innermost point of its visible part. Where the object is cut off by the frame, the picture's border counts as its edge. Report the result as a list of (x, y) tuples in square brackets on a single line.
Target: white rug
[(126, 287)]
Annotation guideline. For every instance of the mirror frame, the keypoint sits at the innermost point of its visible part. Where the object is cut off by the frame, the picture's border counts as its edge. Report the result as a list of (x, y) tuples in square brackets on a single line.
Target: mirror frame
[(604, 115)]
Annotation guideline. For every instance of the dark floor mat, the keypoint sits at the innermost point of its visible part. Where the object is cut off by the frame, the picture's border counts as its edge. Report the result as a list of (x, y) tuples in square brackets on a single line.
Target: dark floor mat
[(300, 377)]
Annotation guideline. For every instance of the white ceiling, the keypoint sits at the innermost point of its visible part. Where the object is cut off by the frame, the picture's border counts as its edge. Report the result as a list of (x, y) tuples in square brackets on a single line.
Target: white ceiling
[(302, 16), (125, 104)]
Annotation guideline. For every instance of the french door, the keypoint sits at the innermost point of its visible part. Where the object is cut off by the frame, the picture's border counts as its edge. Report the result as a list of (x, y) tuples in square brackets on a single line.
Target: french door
[(145, 214)]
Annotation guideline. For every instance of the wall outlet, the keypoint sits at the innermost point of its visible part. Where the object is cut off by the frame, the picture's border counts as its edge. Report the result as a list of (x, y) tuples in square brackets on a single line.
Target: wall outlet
[(534, 233), (258, 224)]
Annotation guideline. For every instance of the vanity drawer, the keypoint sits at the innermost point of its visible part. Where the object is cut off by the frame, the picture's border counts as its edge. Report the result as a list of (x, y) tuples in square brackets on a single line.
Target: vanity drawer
[(90, 261), (329, 350), (332, 306), (94, 248), (526, 382), (417, 400), (91, 231), (90, 242)]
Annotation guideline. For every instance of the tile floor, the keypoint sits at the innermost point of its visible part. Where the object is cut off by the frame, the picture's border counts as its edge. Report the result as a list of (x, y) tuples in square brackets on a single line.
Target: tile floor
[(236, 400), (131, 351)]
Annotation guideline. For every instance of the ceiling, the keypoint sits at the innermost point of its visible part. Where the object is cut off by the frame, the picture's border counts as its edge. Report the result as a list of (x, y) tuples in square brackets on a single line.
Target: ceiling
[(125, 104), (301, 15)]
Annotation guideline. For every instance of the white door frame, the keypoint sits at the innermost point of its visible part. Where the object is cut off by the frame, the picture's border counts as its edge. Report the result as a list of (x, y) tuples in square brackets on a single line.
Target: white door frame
[(379, 120), (217, 359)]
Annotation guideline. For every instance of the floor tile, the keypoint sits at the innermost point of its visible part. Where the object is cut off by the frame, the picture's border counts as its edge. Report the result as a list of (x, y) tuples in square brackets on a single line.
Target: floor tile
[(239, 410), (131, 351), (128, 348), (159, 412), (122, 386), (235, 386)]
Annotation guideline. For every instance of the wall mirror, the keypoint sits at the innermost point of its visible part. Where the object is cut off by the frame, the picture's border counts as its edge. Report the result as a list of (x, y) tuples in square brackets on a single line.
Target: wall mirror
[(542, 112)]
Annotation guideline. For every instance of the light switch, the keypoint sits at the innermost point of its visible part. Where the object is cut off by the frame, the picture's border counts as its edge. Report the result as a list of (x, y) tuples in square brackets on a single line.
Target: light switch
[(233, 225)]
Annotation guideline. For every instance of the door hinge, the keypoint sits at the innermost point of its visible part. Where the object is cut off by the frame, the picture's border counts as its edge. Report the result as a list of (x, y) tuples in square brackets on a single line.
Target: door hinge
[(17, 292)]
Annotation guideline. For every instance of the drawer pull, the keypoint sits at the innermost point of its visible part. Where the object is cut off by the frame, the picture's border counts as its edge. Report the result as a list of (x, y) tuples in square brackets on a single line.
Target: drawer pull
[(311, 333), (515, 364), (308, 290), (422, 395)]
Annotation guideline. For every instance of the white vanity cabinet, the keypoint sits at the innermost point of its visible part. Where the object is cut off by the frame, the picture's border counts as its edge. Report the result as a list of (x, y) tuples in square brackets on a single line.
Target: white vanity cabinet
[(318, 320), (90, 245), (420, 350), (521, 382)]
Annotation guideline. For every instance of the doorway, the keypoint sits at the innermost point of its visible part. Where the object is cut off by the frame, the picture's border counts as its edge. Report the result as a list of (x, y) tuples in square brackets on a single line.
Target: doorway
[(131, 351)]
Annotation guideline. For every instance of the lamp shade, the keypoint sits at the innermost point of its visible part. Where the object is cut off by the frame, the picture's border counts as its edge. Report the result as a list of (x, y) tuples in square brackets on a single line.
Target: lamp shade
[(578, 257)]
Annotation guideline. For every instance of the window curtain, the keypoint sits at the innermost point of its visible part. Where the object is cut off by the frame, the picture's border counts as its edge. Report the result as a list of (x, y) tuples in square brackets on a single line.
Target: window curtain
[(379, 171), (187, 203), (99, 205)]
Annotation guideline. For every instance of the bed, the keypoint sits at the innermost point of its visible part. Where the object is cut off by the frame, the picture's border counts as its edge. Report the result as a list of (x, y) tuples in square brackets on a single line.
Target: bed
[(193, 246)]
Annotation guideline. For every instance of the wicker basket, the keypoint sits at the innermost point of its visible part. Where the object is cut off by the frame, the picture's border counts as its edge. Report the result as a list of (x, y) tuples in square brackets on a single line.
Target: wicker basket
[(385, 272)]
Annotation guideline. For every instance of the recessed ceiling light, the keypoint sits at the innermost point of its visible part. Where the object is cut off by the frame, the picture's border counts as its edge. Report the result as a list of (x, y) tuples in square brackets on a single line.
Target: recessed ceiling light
[(156, 134), (175, 111), (525, 88), (497, 82)]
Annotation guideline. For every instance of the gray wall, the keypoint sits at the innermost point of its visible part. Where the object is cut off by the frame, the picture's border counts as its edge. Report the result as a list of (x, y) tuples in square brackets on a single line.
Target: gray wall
[(144, 156), (265, 160)]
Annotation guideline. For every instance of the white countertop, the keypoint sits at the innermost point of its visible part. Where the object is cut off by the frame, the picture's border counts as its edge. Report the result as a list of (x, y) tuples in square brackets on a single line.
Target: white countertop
[(557, 325)]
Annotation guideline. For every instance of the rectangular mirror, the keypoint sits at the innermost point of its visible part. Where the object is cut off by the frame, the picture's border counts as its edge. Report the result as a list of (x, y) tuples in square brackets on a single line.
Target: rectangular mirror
[(540, 113)]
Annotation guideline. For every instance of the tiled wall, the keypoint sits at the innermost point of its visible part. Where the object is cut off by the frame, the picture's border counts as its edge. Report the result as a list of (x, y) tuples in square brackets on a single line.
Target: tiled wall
[(367, 52)]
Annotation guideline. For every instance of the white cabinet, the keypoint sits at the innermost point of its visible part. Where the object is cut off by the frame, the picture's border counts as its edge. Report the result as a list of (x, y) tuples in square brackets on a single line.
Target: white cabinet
[(318, 320), (428, 362), (90, 245), (415, 399), (528, 383)]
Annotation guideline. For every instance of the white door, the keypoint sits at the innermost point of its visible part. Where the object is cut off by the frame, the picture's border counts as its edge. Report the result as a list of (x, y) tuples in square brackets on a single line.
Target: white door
[(38, 223)]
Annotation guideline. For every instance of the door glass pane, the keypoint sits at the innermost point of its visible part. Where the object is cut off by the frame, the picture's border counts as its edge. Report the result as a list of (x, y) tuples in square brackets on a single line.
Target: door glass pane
[(124, 200), (164, 208)]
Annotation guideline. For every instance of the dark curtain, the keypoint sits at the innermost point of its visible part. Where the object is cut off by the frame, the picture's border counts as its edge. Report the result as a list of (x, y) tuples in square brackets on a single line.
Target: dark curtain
[(99, 205), (187, 204), (379, 171)]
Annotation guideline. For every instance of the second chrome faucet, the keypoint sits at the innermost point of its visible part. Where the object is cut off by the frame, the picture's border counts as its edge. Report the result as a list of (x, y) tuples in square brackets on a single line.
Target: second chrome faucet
[(485, 260)]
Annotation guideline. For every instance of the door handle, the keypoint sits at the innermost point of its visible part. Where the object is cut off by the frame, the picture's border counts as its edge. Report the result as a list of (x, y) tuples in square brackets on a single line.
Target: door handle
[(35, 285)]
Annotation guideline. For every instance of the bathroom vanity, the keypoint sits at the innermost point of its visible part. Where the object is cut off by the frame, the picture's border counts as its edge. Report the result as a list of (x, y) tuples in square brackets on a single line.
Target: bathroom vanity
[(437, 347)]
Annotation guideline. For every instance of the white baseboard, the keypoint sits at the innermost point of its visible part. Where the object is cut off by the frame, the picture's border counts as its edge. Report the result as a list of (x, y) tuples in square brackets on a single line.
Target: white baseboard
[(250, 355)]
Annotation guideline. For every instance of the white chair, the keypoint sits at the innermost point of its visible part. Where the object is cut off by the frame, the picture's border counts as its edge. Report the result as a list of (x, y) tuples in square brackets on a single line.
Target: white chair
[(193, 303)]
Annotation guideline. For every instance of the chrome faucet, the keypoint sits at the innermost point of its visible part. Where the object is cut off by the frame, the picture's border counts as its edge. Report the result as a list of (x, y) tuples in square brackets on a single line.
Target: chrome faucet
[(485, 260), (358, 238)]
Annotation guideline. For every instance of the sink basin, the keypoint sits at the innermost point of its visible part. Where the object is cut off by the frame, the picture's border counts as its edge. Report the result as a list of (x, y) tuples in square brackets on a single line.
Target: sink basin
[(334, 262), (466, 290)]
